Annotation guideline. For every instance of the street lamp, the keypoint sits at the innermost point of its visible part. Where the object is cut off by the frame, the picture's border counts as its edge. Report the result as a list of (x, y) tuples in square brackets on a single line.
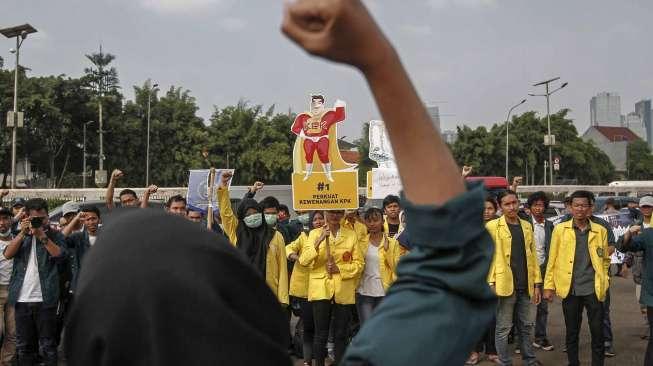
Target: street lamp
[(147, 154), (549, 139), (84, 154), (20, 32), (507, 124)]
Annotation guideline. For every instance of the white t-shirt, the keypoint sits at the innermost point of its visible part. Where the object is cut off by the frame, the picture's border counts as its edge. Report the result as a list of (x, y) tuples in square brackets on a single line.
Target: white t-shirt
[(6, 265), (539, 235), (371, 283), (31, 290), (91, 240)]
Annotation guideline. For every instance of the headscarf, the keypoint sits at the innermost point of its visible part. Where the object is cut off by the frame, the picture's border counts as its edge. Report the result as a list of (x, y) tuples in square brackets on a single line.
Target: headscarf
[(160, 290), (253, 243)]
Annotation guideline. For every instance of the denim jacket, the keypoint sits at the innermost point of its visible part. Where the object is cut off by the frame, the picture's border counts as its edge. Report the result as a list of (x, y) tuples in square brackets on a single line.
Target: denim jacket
[(48, 272), (77, 244)]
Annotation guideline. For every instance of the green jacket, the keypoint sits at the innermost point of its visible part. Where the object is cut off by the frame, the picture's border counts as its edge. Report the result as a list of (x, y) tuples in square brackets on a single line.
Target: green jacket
[(432, 314)]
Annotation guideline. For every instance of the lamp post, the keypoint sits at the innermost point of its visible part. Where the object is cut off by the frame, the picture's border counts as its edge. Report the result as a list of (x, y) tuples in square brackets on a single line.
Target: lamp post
[(549, 139), (147, 154), (20, 32), (507, 124), (84, 156)]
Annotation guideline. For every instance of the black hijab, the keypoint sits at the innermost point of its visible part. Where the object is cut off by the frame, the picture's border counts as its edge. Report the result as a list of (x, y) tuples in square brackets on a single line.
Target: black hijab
[(253, 243), (160, 290)]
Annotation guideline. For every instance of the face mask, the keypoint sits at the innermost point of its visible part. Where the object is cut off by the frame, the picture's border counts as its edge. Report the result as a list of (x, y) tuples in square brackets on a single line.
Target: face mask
[(5, 234), (303, 219), (270, 219), (253, 221)]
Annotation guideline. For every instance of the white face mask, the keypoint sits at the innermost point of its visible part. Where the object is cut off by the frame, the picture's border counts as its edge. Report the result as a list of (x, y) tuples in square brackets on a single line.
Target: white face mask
[(5, 234)]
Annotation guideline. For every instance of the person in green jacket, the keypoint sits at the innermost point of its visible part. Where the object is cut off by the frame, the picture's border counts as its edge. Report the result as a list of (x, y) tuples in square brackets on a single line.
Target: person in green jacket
[(432, 313)]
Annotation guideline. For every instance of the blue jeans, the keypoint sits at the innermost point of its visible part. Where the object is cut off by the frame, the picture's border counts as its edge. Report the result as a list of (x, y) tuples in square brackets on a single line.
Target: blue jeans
[(519, 303), (365, 305), (542, 314)]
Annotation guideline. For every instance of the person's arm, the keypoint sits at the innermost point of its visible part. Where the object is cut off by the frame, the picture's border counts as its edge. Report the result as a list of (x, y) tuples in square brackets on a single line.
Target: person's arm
[(516, 182), (73, 223), (229, 220), (453, 250), (352, 268), (549, 285), (292, 249), (632, 240), (146, 195), (12, 249), (282, 263), (310, 248), (115, 175), (251, 191), (53, 245)]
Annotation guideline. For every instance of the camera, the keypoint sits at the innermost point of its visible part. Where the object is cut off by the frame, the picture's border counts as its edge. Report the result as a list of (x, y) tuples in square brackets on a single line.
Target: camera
[(36, 222)]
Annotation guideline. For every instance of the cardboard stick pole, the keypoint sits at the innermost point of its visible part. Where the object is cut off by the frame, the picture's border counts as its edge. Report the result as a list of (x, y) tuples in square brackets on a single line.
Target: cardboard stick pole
[(210, 192)]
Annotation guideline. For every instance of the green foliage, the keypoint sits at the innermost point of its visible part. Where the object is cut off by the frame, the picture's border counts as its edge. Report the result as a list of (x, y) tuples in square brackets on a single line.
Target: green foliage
[(581, 161), (640, 161), (365, 164)]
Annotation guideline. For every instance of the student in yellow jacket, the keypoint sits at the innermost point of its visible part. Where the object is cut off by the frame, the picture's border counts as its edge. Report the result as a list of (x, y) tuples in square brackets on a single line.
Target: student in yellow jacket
[(352, 221), (381, 254), (577, 271), (263, 246), (299, 283), (332, 281), (515, 277)]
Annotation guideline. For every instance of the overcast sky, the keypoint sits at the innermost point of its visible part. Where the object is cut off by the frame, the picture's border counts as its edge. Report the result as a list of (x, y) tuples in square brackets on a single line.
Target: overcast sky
[(474, 57)]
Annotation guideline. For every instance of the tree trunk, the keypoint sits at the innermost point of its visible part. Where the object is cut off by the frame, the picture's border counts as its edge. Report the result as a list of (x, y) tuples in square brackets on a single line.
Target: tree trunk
[(65, 166), (52, 179)]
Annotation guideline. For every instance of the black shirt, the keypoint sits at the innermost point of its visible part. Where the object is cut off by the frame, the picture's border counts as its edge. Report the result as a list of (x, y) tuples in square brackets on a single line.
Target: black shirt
[(518, 257), (393, 229)]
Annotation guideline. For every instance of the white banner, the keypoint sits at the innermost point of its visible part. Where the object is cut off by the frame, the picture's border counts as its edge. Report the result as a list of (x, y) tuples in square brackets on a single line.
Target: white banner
[(384, 182)]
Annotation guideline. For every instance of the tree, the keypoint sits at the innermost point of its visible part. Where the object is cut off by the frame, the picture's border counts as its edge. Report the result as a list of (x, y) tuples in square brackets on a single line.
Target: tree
[(639, 161), (365, 164), (485, 150)]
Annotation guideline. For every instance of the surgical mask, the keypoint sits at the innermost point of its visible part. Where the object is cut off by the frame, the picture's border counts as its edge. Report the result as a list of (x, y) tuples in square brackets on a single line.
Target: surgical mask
[(270, 219), (303, 219), (253, 221)]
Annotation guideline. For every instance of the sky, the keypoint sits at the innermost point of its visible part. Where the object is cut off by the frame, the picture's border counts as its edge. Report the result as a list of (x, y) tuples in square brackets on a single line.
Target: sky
[(472, 58)]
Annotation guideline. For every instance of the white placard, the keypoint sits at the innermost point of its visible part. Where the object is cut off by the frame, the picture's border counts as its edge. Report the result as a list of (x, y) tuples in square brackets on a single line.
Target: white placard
[(384, 182)]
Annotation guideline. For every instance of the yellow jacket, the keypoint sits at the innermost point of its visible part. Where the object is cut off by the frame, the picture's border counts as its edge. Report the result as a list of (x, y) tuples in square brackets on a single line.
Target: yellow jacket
[(276, 267), (299, 276), (561, 259), (500, 273), (387, 259), (345, 250), (357, 226)]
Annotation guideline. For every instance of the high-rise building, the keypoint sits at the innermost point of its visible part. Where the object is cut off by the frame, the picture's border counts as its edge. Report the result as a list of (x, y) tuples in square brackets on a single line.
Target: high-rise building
[(450, 136), (434, 113), (643, 110), (605, 110), (635, 124)]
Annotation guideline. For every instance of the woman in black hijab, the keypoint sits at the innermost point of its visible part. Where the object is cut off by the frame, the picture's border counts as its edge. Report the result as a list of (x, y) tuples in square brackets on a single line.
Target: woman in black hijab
[(158, 290), (262, 245)]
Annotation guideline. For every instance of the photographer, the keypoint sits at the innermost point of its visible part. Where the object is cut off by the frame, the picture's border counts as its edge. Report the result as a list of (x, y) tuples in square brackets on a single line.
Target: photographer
[(33, 250)]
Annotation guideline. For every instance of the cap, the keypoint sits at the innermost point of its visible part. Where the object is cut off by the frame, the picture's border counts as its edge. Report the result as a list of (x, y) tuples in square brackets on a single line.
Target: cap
[(6, 212), (18, 201), (646, 201), (70, 207)]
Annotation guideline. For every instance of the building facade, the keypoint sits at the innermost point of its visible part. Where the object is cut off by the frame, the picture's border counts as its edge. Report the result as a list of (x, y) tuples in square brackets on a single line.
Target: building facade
[(605, 110)]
